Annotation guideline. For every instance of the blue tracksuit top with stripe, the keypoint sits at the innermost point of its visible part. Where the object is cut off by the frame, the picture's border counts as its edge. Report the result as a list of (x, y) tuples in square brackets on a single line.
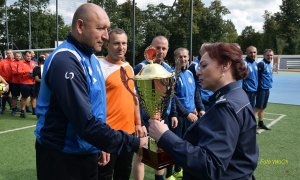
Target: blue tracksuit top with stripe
[(205, 94), (185, 90), (265, 76), (71, 106), (250, 84)]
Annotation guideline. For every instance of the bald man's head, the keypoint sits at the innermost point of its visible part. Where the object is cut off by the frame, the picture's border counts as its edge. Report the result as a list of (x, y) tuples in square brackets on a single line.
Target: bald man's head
[(161, 45), (251, 52), (90, 26)]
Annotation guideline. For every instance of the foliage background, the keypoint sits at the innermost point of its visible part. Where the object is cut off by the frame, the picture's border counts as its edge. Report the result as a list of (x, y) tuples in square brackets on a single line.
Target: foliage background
[(281, 30)]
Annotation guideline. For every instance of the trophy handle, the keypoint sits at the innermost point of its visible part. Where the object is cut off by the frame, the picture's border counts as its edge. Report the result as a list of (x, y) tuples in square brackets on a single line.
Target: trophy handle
[(125, 78)]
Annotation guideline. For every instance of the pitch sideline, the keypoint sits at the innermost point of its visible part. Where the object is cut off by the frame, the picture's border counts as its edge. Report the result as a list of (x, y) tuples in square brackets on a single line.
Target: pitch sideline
[(17, 129), (272, 122), (259, 131)]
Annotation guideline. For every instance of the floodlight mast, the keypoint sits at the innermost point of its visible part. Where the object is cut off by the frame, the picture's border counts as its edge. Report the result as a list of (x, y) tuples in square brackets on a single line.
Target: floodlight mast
[(6, 22), (29, 19)]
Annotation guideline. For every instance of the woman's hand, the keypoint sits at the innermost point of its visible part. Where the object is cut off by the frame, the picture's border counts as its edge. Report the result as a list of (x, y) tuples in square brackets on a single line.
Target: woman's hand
[(157, 128)]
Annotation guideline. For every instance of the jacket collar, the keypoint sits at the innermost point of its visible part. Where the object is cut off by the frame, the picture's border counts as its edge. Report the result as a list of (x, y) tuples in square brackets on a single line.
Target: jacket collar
[(224, 90), (268, 62), (82, 47), (249, 59)]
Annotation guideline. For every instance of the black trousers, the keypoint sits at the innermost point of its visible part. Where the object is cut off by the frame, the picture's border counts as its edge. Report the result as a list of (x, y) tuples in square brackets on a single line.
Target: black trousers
[(56, 165), (118, 168)]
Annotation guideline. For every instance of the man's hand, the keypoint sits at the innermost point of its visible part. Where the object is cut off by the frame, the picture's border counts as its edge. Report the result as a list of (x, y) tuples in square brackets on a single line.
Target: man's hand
[(174, 121), (192, 117), (140, 131), (104, 158), (143, 142), (195, 112)]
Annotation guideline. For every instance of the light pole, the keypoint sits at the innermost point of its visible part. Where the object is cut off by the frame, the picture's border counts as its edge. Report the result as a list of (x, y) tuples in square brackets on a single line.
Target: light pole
[(56, 23), (6, 22), (29, 19), (191, 30), (133, 33)]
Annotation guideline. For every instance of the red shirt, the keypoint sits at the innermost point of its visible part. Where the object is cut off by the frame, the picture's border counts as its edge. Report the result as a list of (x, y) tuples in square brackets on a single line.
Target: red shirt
[(14, 71), (5, 69), (25, 72)]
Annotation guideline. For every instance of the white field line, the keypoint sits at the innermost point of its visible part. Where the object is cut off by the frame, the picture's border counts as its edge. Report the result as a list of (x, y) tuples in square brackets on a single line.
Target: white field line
[(273, 122), (259, 131), (275, 114), (17, 129), (268, 119)]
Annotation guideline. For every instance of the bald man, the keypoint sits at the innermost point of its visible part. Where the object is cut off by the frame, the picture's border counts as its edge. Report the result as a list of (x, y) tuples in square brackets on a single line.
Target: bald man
[(71, 107), (250, 84), (161, 44)]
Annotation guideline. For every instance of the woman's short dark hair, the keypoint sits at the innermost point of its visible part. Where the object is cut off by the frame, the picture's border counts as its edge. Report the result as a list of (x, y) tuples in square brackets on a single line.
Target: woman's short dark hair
[(228, 52)]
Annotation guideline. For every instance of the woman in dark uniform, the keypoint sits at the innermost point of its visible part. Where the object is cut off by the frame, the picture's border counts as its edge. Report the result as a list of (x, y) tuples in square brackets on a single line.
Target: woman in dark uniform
[(222, 143)]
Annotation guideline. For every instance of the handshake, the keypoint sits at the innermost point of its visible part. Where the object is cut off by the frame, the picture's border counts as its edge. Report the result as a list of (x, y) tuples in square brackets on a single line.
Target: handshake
[(140, 132)]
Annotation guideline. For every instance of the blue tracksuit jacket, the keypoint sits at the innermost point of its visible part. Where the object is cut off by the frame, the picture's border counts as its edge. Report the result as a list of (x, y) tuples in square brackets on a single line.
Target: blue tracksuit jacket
[(265, 76), (205, 94), (71, 107), (250, 84)]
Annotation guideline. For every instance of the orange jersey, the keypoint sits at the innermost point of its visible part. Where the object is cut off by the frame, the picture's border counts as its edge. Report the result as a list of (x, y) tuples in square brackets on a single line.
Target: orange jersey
[(14, 72), (25, 72), (5, 69), (119, 101)]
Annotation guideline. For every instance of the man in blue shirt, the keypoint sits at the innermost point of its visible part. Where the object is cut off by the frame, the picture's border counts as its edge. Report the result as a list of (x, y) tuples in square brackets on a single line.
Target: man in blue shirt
[(71, 107), (194, 68), (265, 81), (161, 44), (251, 82)]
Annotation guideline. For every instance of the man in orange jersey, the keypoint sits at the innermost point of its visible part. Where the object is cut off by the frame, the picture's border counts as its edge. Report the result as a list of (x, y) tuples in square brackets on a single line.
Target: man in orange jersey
[(15, 85), (122, 105), (27, 82), (5, 72)]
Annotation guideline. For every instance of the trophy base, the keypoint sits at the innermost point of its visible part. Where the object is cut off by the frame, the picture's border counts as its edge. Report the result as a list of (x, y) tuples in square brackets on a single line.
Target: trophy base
[(156, 160)]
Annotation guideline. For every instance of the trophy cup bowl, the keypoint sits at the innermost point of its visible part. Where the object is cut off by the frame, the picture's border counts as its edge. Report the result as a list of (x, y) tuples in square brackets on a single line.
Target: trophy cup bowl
[(155, 88)]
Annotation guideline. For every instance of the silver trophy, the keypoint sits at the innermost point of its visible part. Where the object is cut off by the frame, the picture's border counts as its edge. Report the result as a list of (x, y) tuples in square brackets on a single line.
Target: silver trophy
[(155, 86)]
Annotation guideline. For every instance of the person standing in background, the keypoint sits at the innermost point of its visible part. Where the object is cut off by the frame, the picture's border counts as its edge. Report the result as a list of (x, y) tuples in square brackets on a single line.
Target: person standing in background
[(265, 80), (27, 82), (5, 72), (251, 82), (37, 74), (123, 112), (161, 44), (188, 102), (16, 83), (194, 67)]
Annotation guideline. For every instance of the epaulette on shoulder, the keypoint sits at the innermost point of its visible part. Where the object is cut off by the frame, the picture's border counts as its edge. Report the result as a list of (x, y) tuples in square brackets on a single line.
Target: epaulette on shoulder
[(221, 99)]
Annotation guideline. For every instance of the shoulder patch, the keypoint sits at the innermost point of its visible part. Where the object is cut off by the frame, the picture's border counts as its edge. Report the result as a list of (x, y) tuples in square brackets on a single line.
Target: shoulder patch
[(221, 100)]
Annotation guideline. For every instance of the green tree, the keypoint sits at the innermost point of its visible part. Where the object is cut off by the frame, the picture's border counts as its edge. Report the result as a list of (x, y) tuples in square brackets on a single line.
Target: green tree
[(270, 35), (156, 21), (111, 8), (43, 25), (230, 34), (249, 37), (289, 25)]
